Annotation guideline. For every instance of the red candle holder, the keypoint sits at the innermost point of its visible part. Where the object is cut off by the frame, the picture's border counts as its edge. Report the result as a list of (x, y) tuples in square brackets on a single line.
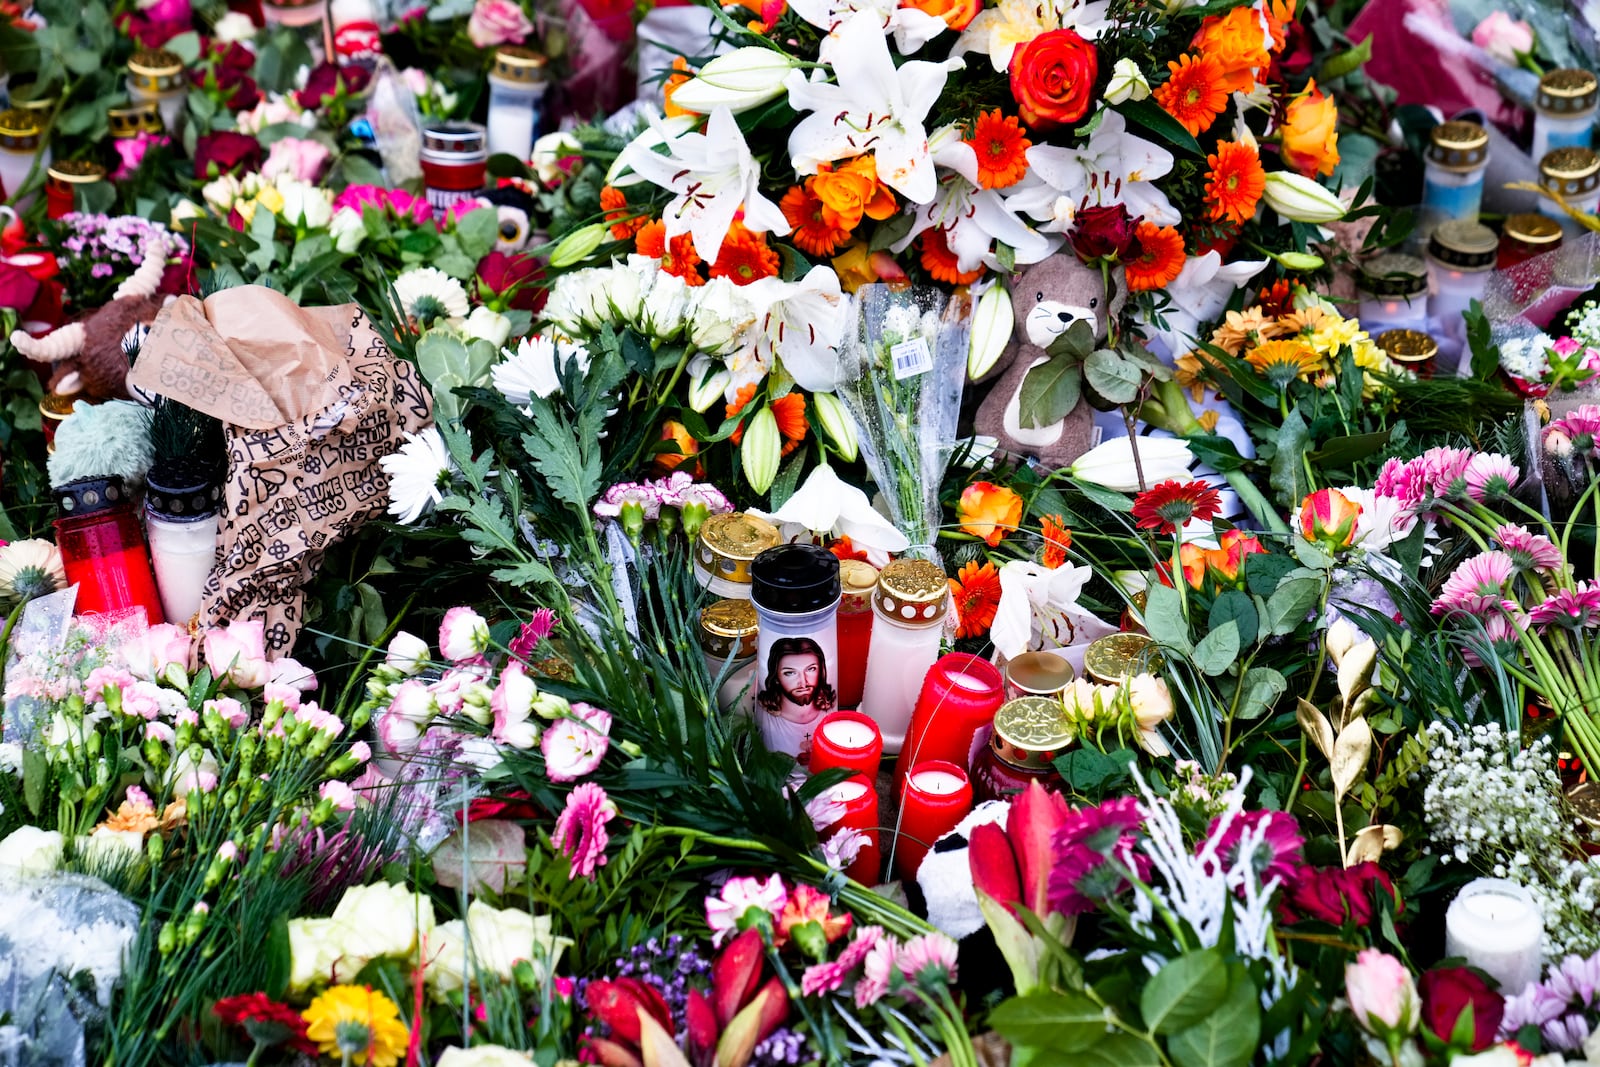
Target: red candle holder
[(103, 551), (856, 800), (937, 796), (847, 739), (959, 697), (858, 579)]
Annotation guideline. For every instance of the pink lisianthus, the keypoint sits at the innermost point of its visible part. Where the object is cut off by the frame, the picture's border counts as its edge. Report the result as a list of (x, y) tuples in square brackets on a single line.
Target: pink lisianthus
[(463, 634), (142, 700), (397, 733), (94, 686), (727, 911), (497, 22), (581, 828), (237, 654), (289, 673), (1505, 38), (512, 704), (842, 847), (574, 744), (298, 157)]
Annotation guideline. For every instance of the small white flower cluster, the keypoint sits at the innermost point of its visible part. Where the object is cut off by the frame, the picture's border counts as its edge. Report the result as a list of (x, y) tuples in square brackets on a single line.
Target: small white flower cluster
[(1583, 324), (1527, 358), (1208, 794), (1494, 804)]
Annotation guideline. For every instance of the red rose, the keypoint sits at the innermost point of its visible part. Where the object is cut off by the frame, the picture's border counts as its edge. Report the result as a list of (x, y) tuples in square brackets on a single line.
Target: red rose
[(325, 82), (500, 273), (1449, 991), (1102, 232), (234, 88), (218, 153), (17, 287), (1052, 77), (1333, 895)]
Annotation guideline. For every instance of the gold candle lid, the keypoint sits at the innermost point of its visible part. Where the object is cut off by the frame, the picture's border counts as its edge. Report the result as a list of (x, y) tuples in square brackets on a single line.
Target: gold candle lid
[(1039, 673), (1115, 656), (57, 406), (728, 625), (155, 70), (77, 172), (913, 591), (42, 104), (1464, 244), (513, 63), (729, 542), (1031, 732), (1566, 91), (20, 124), (1570, 164), (126, 122), (1532, 228), (857, 580), (1408, 347), (1458, 145)]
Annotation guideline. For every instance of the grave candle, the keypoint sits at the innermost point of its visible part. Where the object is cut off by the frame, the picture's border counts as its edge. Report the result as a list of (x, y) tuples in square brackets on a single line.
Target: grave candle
[(847, 739), (937, 796), (1495, 925)]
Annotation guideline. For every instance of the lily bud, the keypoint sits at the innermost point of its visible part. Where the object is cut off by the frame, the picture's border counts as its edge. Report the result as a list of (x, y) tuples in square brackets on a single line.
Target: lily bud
[(837, 425), (1298, 260), (740, 80), (761, 450), (1300, 199), (992, 323), (708, 381), (1127, 83), (578, 245)]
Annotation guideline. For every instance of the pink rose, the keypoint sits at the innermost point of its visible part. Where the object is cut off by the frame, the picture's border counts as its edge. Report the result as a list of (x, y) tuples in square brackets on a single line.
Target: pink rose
[(150, 654), (497, 22), (1382, 997), (1503, 37), (167, 11), (297, 157), (237, 653)]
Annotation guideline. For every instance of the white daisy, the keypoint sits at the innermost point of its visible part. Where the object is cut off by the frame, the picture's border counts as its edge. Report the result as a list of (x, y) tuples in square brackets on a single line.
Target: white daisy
[(30, 568), (532, 369), (418, 473), (427, 294)]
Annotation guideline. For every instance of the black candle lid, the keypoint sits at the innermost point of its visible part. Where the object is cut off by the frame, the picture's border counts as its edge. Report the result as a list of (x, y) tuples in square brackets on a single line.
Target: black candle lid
[(183, 502), (86, 496), (1393, 274), (795, 579)]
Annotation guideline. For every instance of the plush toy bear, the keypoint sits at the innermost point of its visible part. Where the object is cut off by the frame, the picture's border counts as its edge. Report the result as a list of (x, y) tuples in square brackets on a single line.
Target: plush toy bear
[(1046, 298)]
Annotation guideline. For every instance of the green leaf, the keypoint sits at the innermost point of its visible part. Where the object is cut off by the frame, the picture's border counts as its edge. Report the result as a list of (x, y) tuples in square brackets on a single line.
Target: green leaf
[(263, 226), (1261, 689), (1163, 618), (1288, 467), (1218, 649), (186, 46), (374, 620), (1289, 605), (1090, 772), (1151, 116), (1346, 62), (1341, 452), (477, 231), (1062, 1022), (1114, 378), (1049, 391), (1077, 341), (636, 351), (1229, 1035), (1109, 499), (1236, 607), (1184, 992), (35, 773), (572, 470), (1216, 452), (1117, 1050)]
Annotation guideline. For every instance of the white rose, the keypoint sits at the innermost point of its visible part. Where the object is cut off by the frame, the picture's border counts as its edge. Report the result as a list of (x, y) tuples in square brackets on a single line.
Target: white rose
[(30, 850), (220, 192), (622, 296), (347, 230), (234, 26), (719, 317), (314, 949), (489, 325), (183, 211), (111, 847), (483, 1056), (665, 306), (499, 939), (378, 921), (548, 151)]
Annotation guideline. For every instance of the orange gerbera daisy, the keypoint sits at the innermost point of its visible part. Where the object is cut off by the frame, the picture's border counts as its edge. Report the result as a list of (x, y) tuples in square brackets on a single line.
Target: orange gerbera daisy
[(976, 588), (677, 257), (1194, 94), (1235, 41), (626, 222), (1281, 362), (744, 257), (843, 549), (790, 411), (1158, 260), (741, 400), (940, 262), (680, 74), (813, 233), (1057, 540), (1001, 147), (1235, 182)]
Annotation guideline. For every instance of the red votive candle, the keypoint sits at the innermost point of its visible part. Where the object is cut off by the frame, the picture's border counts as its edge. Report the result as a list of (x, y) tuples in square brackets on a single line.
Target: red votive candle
[(103, 551), (857, 580), (959, 697), (847, 739), (936, 797), (856, 800)]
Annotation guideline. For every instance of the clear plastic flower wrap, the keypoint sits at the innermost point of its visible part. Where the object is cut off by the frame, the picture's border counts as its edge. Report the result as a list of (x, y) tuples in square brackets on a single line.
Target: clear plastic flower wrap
[(903, 367)]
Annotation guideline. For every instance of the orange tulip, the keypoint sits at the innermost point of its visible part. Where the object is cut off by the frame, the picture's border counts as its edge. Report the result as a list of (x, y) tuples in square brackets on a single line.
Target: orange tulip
[(989, 511)]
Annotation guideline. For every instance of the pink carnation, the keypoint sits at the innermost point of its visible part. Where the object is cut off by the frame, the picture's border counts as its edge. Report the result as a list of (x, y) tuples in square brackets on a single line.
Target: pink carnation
[(725, 910)]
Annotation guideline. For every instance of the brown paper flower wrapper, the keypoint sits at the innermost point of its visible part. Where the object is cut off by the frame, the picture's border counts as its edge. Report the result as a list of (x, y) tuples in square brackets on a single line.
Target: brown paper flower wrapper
[(311, 399)]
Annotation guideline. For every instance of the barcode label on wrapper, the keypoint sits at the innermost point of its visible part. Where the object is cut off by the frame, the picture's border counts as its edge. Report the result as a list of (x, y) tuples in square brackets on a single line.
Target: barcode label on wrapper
[(911, 358)]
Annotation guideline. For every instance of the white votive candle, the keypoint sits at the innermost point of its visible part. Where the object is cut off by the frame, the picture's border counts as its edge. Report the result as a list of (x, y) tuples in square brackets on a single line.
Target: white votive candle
[(1496, 927), (937, 782), (849, 734), (846, 791)]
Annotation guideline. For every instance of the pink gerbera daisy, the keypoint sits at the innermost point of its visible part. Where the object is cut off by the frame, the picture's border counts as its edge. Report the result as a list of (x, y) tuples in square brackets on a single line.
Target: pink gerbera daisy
[(928, 959), (1437, 474), (1574, 609), (1528, 550), (581, 828), (1490, 476), (1581, 427), (1499, 639), (1476, 587), (1085, 845), (1277, 855), (538, 627)]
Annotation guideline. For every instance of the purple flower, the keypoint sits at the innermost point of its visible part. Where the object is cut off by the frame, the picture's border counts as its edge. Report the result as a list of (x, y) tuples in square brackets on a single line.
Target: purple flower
[(1276, 855), (1560, 1006), (1573, 609), (1477, 586), (1094, 848), (581, 828)]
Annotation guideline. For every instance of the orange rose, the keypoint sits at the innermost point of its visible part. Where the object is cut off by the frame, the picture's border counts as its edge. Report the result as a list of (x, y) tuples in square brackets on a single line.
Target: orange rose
[(851, 190), (1052, 77), (989, 511), (679, 435), (1194, 560), (1236, 43), (1311, 133), (956, 13)]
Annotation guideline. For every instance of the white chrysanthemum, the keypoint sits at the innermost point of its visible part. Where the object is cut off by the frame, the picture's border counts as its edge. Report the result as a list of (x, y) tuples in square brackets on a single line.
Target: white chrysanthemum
[(29, 569), (418, 474), (532, 369), (427, 294)]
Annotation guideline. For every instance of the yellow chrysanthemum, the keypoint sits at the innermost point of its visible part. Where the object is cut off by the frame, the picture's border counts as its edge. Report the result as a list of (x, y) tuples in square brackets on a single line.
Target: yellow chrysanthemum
[(1335, 333), (1306, 319), (1281, 362), (1240, 328), (359, 1023), (1369, 357)]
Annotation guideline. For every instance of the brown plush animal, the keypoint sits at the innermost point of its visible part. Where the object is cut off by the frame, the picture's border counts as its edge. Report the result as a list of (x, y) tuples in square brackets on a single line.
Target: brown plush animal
[(1046, 298)]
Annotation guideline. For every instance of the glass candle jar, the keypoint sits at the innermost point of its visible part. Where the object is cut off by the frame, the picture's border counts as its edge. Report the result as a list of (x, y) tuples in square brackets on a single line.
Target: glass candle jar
[(357, 38), (22, 142), (64, 179), (1458, 154), (1563, 111), (455, 162), (516, 87), (858, 580), (129, 122), (956, 704), (181, 523), (847, 739), (728, 630), (855, 802), (1028, 735), (155, 76), (103, 550), (724, 550), (1460, 256), (1574, 174), (1394, 293), (795, 590), (937, 796), (1037, 674), (1525, 236), (1411, 350), (908, 612), (57, 405), (1110, 659)]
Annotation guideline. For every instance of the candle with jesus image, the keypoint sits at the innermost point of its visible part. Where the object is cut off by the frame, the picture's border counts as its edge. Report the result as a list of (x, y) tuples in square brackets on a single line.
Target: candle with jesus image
[(795, 590)]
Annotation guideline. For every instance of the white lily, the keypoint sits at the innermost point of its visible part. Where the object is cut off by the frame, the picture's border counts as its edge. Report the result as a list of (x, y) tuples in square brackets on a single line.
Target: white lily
[(1039, 609), (1114, 167), (1301, 199), (874, 108), (803, 325), (1000, 30), (1127, 83), (739, 80), (648, 140), (1110, 463), (826, 505), (713, 175), (1199, 295), (911, 28), (708, 379)]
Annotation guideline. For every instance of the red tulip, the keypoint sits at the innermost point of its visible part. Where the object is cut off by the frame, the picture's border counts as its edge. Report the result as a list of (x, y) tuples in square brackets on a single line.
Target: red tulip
[(618, 1002), (1013, 867)]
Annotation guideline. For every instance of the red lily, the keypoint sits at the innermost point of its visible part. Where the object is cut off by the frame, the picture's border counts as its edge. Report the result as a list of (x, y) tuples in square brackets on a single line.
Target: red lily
[(1013, 865)]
